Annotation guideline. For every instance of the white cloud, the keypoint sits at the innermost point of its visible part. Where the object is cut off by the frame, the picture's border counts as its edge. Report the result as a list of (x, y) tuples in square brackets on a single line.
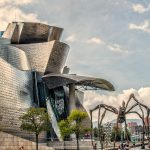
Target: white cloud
[(92, 99), (116, 48), (71, 38), (22, 2), (15, 2), (143, 27), (95, 40), (10, 11), (139, 8)]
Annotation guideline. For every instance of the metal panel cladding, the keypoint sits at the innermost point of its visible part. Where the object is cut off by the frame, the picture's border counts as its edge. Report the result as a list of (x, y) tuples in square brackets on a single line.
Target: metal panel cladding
[(46, 57)]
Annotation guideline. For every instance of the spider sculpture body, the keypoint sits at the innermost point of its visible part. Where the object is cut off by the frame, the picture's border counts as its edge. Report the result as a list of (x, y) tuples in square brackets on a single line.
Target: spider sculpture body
[(121, 113)]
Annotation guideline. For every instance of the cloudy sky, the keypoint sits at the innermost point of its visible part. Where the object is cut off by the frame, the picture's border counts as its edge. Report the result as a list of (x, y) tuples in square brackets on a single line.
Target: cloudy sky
[(109, 39)]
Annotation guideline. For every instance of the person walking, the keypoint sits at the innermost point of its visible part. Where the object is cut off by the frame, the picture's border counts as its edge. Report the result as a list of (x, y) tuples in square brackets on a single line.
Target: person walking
[(21, 148), (95, 146)]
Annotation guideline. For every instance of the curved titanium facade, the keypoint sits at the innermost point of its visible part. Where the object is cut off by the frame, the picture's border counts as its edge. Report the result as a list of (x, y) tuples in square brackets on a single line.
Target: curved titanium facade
[(14, 56), (38, 54), (47, 56), (29, 32), (15, 94), (31, 62), (27, 51)]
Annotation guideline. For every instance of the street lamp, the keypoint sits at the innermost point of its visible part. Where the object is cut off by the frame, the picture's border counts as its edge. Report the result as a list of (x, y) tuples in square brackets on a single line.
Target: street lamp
[(121, 147), (142, 144)]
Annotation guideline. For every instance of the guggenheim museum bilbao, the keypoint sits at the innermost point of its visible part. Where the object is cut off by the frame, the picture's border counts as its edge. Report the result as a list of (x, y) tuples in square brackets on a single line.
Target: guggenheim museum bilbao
[(32, 74)]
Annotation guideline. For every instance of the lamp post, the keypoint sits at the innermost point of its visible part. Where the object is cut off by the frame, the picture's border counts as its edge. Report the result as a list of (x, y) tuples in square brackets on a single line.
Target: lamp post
[(143, 145), (121, 147)]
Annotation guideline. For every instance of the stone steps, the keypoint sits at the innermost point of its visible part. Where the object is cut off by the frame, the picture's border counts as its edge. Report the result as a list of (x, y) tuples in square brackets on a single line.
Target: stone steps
[(10, 142)]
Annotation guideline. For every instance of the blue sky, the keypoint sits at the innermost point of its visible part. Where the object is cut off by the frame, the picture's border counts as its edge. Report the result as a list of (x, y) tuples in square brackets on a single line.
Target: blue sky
[(109, 39)]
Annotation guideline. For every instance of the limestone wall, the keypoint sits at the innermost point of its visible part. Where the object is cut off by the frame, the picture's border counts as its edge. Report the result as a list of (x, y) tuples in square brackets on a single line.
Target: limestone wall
[(10, 142), (71, 145)]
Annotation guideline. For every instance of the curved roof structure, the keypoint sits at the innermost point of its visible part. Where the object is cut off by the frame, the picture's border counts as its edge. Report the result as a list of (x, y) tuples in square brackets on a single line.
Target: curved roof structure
[(31, 32), (55, 80)]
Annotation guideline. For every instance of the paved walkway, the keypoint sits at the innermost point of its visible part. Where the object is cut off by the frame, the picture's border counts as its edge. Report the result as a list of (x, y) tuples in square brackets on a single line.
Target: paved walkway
[(139, 148)]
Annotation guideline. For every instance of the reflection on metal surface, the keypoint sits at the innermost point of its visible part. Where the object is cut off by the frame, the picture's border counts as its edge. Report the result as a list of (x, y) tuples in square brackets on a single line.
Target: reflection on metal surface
[(14, 93), (14, 56), (31, 62), (28, 51), (46, 57), (29, 32)]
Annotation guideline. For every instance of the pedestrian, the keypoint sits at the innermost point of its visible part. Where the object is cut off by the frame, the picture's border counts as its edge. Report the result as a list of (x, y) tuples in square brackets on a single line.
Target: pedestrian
[(133, 143), (126, 147), (95, 146), (21, 148)]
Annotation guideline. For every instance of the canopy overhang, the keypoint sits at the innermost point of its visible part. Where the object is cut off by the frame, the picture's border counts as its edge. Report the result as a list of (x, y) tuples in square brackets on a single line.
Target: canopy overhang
[(53, 80)]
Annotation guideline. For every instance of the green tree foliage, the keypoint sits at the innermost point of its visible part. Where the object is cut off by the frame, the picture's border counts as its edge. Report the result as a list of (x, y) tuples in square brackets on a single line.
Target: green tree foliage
[(73, 124), (95, 130), (35, 120), (116, 134), (85, 131), (65, 129)]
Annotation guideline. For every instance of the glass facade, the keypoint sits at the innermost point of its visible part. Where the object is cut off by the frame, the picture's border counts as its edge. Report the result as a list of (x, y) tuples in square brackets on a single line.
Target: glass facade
[(59, 103)]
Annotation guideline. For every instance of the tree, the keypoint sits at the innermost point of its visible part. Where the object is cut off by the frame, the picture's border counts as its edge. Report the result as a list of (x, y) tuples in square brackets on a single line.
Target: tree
[(65, 129), (117, 133), (95, 130), (35, 120), (73, 124), (75, 118)]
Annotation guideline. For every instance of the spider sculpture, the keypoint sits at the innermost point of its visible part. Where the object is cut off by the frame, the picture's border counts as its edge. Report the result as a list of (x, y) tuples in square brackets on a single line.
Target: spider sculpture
[(121, 113)]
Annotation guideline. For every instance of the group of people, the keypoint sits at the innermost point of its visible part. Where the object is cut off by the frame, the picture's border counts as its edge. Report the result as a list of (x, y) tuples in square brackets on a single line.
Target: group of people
[(123, 146)]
